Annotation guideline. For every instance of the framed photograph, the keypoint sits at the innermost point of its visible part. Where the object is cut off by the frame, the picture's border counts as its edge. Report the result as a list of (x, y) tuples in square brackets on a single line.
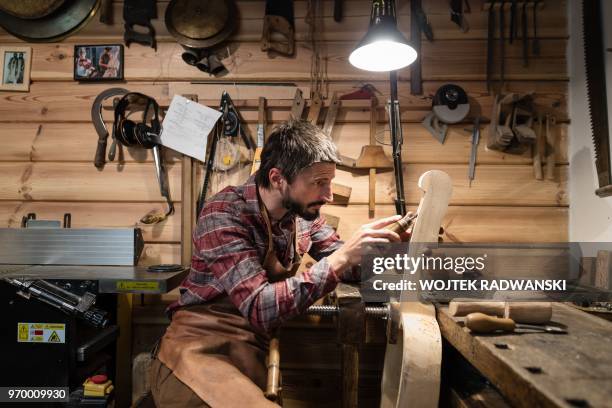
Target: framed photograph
[(99, 62), (15, 68)]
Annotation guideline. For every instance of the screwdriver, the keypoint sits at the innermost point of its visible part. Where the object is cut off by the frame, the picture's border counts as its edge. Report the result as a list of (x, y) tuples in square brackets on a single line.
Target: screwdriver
[(482, 323)]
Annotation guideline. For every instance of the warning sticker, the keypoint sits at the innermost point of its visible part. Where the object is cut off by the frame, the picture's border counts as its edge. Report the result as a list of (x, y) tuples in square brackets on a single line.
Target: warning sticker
[(143, 286), (41, 333)]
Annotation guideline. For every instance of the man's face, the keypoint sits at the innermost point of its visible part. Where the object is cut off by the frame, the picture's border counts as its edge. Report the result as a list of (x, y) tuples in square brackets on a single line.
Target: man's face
[(310, 189)]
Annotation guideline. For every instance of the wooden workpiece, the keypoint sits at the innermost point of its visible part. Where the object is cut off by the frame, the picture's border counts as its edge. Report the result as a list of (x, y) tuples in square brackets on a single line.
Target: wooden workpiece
[(542, 369)]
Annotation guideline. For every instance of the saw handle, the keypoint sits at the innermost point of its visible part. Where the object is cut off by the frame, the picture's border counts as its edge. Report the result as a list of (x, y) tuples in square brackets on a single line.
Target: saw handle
[(482, 323)]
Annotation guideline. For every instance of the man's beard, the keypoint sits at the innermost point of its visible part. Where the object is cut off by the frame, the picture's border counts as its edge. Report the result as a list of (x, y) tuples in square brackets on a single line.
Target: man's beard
[(304, 211)]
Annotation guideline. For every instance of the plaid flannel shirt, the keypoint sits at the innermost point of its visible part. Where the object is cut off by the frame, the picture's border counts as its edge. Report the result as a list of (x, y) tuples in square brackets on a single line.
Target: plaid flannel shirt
[(230, 243)]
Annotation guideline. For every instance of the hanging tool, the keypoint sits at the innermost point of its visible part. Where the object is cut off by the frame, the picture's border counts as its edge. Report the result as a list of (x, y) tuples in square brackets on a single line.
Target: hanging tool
[(475, 141), (315, 108), (449, 105), (537, 149), (550, 148), (457, 14), (485, 324), (596, 91), (330, 117), (524, 35), (512, 21), (418, 25), (490, 45), (536, 41), (137, 15), (106, 12), (338, 9), (502, 45), (297, 107), (100, 126), (261, 130), (228, 126), (278, 29)]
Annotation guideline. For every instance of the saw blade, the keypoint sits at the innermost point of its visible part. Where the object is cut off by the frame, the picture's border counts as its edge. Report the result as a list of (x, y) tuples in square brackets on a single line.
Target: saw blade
[(596, 87)]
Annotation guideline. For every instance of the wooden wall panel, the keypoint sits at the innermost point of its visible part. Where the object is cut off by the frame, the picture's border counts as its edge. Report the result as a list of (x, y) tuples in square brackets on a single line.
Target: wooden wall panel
[(54, 62), (76, 142), (355, 18), (70, 102)]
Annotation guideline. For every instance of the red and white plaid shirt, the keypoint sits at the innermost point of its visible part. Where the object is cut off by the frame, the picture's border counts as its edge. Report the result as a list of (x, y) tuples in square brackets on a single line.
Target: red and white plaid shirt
[(230, 243)]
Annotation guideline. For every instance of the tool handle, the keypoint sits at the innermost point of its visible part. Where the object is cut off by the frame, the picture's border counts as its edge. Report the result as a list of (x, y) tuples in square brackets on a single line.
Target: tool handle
[(463, 307), (482, 323), (99, 159), (272, 386)]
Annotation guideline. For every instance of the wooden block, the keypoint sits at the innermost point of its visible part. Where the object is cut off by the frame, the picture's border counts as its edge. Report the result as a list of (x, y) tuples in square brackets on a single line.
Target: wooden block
[(529, 312), (342, 193)]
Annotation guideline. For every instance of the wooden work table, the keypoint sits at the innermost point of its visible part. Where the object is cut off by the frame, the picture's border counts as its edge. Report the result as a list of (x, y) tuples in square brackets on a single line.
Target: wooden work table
[(542, 369)]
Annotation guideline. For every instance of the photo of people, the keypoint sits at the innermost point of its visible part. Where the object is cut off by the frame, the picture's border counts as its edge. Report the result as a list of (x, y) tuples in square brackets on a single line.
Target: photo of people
[(15, 68), (98, 62)]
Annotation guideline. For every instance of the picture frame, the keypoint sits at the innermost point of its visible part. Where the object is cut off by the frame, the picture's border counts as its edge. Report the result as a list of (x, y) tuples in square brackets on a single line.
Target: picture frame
[(98, 62), (15, 64)]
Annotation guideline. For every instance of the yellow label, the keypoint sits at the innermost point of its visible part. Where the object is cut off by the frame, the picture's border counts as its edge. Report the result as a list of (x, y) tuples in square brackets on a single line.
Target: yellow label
[(23, 331), (41, 332), (138, 285), (54, 338)]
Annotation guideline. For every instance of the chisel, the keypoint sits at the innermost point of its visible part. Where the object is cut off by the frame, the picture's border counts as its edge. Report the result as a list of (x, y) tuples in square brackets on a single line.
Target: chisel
[(482, 323)]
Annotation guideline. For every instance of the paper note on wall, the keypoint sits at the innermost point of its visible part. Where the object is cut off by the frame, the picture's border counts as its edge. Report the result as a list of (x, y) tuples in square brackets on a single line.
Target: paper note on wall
[(186, 127)]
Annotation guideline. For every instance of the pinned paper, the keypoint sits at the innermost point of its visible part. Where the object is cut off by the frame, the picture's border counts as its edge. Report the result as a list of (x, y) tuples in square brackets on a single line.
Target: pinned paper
[(186, 127)]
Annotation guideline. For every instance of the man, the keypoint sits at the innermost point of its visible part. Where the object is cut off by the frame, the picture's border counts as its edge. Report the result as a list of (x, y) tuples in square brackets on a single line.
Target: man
[(248, 242)]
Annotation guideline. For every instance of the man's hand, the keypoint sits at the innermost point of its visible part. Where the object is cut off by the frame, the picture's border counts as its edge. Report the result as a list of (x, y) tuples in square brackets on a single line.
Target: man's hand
[(350, 253)]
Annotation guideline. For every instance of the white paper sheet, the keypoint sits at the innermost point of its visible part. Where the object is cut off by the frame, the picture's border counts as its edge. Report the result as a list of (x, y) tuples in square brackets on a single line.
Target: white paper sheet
[(186, 127)]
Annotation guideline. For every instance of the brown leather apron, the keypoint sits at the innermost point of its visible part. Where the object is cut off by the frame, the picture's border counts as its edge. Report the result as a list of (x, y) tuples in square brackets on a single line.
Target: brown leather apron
[(214, 350)]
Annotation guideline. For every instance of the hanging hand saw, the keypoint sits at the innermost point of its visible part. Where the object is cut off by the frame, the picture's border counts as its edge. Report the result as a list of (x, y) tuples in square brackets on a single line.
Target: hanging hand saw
[(596, 90), (278, 30)]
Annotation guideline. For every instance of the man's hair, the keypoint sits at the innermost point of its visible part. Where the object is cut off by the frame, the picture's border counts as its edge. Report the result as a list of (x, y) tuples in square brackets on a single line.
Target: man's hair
[(292, 147)]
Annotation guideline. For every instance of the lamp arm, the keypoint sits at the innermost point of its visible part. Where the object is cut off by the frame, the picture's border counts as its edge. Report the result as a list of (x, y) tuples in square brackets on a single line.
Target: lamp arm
[(397, 139)]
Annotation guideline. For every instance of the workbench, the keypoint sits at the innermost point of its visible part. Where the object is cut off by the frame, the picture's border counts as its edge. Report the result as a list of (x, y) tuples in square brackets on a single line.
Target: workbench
[(542, 369), (108, 279)]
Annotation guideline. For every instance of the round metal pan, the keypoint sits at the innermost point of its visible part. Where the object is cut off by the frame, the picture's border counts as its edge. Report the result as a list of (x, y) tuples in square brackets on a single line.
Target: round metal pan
[(201, 23), (65, 20)]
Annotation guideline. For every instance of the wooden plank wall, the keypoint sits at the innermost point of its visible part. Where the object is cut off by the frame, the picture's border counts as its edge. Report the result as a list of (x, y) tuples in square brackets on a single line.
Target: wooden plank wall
[(48, 141)]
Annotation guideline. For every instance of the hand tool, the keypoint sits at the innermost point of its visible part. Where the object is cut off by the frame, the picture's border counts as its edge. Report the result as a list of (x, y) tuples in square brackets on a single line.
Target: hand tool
[(596, 91), (278, 29), (490, 45), (536, 41), (512, 21), (457, 15), (475, 140), (138, 13), (550, 148), (537, 149), (502, 44), (418, 25), (484, 324), (524, 37), (449, 105), (229, 125), (338, 6), (98, 122), (520, 312), (261, 129)]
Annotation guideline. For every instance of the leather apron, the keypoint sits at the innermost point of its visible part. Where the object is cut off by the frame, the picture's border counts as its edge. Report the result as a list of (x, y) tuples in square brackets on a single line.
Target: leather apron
[(215, 351)]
